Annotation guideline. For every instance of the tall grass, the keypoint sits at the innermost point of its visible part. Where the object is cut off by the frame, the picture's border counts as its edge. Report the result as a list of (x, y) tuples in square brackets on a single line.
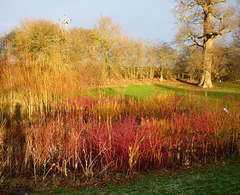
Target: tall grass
[(98, 136)]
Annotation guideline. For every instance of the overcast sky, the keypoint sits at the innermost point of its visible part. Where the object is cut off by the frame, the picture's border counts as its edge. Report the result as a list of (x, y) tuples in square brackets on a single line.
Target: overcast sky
[(147, 19)]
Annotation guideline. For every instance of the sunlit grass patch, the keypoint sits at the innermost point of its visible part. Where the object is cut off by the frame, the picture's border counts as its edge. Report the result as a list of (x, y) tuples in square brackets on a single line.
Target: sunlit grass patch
[(222, 90), (209, 179)]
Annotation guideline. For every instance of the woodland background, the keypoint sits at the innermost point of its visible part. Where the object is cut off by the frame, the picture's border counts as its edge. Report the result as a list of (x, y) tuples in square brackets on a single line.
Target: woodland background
[(42, 63)]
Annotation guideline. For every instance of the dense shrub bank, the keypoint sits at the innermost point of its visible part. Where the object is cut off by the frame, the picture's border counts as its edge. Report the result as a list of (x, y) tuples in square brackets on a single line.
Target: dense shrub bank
[(97, 136)]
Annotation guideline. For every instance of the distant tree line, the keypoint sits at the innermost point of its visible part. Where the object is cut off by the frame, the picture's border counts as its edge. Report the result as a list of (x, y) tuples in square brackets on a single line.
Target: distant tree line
[(41, 63)]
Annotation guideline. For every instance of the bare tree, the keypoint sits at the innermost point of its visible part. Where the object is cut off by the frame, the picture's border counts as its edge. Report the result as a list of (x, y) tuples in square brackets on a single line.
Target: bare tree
[(166, 57), (202, 22)]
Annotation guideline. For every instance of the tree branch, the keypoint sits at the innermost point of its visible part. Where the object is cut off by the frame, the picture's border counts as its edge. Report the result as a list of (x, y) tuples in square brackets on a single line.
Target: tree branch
[(220, 1), (184, 20), (197, 38), (194, 39), (196, 44), (191, 4), (217, 17), (220, 33)]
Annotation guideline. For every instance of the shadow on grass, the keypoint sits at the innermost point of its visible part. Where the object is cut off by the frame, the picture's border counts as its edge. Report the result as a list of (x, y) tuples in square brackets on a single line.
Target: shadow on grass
[(187, 82), (210, 93), (222, 94), (171, 89)]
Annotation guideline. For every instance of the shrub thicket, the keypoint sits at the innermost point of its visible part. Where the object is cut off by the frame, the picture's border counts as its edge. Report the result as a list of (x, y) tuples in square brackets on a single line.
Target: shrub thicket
[(97, 136)]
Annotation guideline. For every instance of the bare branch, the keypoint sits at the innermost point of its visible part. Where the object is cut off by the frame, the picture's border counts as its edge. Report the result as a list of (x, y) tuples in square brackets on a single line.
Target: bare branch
[(196, 44), (200, 13), (220, 33), (217, 17), (197, 38), (191, 4), (220, 1)]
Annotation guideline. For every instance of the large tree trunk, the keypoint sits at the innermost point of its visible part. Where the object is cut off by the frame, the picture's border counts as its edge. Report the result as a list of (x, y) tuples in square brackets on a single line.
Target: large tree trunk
[(206, 80)]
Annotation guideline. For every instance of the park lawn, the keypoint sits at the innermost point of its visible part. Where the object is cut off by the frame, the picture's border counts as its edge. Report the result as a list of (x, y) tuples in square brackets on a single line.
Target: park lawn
[(208, 179), (220, 90), (200, 180)]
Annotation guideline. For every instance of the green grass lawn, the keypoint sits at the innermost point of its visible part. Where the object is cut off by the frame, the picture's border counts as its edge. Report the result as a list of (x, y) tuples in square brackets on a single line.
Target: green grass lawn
[(220, 90), (209, 179), (203, 180)]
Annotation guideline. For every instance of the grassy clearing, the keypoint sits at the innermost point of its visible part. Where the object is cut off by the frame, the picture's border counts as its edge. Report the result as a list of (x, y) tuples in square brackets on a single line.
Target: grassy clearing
[(221, 90)]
